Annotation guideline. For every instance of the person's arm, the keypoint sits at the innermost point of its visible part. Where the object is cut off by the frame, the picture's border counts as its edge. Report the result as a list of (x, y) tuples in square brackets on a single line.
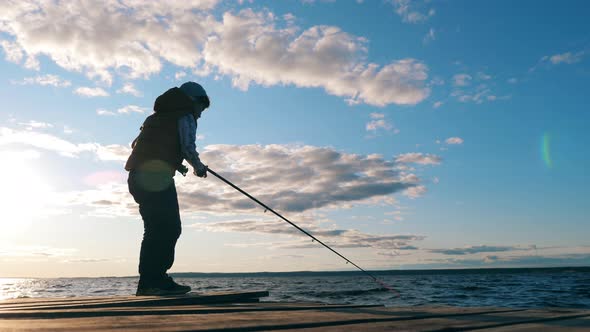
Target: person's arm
[(187, 131)]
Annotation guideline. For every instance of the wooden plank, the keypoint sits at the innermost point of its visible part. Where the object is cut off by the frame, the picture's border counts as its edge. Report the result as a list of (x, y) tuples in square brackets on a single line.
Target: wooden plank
[(580, 324), (44, 300), (142, 301), (22, 300), (542, 320), (166, 314), (351, 319), (151, 311), (210, 298), (60, 302)]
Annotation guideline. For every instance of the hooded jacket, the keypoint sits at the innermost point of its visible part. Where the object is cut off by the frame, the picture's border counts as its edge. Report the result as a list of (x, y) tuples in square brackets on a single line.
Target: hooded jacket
[(157, 148)]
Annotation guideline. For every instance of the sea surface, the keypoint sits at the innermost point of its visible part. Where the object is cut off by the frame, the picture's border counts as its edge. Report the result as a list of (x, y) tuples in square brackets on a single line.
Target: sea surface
[(516, 288)]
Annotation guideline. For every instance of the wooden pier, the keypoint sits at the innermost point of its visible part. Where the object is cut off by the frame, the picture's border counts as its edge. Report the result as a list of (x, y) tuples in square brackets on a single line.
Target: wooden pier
[(244, 312)]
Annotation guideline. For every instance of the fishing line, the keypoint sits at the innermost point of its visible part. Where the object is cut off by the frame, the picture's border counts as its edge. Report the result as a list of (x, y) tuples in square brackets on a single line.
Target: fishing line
[(266, 208)]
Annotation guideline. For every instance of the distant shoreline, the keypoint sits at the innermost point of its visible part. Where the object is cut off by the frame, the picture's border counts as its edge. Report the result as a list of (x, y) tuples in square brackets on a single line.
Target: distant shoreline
[(384, 272), (351, 273)]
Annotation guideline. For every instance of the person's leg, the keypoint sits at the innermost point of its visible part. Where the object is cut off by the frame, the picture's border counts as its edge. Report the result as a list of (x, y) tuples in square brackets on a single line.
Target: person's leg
[(161, 218), (173, 227), (161, 231), (154, 209)]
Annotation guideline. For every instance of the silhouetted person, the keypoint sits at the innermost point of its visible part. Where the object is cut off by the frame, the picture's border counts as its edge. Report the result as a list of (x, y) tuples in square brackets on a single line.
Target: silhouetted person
[(167, 138)]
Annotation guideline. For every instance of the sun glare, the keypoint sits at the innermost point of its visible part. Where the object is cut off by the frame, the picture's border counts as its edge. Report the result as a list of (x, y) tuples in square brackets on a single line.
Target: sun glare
[(23, 194)]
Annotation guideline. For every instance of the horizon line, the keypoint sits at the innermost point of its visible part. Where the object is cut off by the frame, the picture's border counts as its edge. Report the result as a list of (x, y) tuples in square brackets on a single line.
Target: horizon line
[(399, 271)]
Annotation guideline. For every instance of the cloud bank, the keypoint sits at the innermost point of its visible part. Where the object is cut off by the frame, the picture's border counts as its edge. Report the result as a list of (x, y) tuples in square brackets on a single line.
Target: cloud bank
[(338, 238), (134, 39), (250, 48), (290, 178)]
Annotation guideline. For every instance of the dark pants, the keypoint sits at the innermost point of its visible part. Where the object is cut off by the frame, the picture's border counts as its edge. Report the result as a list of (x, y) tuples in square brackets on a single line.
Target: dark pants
[(161, 224)]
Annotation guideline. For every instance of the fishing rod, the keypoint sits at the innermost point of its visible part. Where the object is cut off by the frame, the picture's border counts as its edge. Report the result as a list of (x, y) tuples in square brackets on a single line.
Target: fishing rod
[(303, 231)]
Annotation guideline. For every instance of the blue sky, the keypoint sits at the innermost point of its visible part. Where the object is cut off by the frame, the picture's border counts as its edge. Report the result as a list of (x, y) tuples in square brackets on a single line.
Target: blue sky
[(407, 134)]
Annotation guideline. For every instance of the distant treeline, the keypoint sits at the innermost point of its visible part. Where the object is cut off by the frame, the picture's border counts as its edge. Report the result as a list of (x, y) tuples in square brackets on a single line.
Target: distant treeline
[(383, 272)]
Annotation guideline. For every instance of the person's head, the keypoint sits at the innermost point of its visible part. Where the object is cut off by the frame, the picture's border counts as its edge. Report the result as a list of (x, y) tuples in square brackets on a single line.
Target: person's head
[(196, 92)]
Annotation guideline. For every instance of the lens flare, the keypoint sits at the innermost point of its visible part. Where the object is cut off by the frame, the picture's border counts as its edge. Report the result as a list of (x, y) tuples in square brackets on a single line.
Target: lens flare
[(546, 151)]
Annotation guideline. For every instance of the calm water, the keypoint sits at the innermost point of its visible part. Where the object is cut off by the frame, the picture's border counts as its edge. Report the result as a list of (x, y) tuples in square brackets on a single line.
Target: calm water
[(521, 288)]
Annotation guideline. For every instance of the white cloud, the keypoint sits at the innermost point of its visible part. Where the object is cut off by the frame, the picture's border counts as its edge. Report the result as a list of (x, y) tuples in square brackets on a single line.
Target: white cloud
[(418, 158), (32, 63), (567, 57), (35, 251), (128, 109), (410, 178), (462, 79), (129, 88), (131, 109), (512, 80), (478, 96), (337, 238), (249, 48), (91, 92), (306, 178), (36, 125), (25, 155), (437, 81), (179, 75), (12, 52), (112, 152), (479, 93), (49, 79), (483, 76), (409, 12), (509, 256), (480, 249), (454, 140), (48, 142), (169, 7), (245, 46), (373, 125), (430, 36), (415, 192), (318, 177), (93, 260), (290, 18), (128, 36), (102, 111), (39, 140), (437, 104), (379, 122), (108, 200), (561, 58)]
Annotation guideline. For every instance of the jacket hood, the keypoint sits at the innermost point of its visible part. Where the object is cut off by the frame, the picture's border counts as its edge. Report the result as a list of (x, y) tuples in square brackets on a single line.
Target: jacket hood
[(172, 101)]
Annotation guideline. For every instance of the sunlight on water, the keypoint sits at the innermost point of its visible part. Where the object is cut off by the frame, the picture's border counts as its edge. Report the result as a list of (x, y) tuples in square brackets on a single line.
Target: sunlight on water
[(14, 288)]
